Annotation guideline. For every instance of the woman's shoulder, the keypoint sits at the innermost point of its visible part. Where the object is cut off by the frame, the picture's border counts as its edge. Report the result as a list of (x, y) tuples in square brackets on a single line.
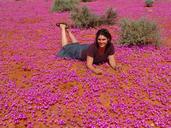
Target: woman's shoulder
[(111, 45), (93, 45), (92, 48), (111, 49)]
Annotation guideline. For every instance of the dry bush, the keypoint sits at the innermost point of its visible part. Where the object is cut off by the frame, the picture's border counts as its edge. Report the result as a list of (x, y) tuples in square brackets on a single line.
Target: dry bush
[(139, 32), (149, 3), (64, 5), (83, 18), (87, 0)]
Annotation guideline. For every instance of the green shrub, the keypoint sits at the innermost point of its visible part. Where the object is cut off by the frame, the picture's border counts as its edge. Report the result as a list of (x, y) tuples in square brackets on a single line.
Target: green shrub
[(149, 3), (83, 18), (140, 32), (64, 5)]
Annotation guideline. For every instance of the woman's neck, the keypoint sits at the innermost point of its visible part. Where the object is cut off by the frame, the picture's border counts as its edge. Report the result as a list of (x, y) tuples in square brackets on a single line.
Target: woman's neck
[(101, 50)]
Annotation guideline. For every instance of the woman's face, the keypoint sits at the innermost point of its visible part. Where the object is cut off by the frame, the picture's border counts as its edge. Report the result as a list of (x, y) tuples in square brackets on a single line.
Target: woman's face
[(102, 41)]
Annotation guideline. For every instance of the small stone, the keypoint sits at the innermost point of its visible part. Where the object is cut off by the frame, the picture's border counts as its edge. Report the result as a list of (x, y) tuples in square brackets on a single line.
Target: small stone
[(152, 124)]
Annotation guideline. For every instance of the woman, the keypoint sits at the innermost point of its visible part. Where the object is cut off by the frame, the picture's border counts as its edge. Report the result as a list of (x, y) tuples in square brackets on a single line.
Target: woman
[(99, 52)]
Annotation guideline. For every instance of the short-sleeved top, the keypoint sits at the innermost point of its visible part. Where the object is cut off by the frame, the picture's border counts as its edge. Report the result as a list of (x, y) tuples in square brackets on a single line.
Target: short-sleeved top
[(98, 58)]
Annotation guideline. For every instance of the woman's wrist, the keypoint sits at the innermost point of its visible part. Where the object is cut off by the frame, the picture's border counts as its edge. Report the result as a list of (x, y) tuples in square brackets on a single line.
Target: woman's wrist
[(113, 66), (117, 67), (98, 71)]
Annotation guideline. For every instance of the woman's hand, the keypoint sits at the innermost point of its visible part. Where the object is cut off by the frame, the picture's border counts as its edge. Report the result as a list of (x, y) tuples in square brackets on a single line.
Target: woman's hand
[(98, 71), (91, 67), (117, 68), (113, 63)]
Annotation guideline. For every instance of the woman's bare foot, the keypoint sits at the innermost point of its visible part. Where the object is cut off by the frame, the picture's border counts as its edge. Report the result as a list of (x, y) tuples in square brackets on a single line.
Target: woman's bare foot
[(62, 25)]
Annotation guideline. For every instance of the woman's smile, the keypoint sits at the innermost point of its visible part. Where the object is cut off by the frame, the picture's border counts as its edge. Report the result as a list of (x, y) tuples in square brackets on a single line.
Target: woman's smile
[(102, 41)]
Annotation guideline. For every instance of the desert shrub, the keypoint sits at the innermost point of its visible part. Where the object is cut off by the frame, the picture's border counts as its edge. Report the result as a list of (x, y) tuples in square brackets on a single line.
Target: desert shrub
[(86, 0), (109, 17), (149, 3), (139, 32), (83, 18), (64, 5)]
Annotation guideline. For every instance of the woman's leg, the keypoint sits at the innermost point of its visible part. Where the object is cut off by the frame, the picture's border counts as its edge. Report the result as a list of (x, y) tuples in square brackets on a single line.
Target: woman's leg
[(64, 36), (72, 37)]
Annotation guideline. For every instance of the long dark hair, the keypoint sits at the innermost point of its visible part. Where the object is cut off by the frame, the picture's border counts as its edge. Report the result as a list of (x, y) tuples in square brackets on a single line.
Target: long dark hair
[(105, 33)]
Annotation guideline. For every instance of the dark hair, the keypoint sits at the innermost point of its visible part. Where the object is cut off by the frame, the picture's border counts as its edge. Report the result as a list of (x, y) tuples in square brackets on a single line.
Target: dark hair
[(105, 33)]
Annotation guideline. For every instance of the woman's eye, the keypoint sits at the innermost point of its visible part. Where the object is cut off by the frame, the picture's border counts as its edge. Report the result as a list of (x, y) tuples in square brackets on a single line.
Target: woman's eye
[(102, 39)]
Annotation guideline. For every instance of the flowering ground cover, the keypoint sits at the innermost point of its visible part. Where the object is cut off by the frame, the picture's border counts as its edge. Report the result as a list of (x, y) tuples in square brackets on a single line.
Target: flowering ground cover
[(39, 90)]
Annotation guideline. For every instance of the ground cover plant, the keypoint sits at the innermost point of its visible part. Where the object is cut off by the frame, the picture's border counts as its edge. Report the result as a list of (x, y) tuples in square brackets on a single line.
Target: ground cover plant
[(84, 18), (39, 90), (149, 3), (139, 32), (64, 5)]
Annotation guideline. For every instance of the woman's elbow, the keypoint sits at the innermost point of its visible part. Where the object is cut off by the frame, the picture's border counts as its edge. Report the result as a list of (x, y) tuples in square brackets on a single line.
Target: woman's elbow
[(89, 62), (88, 65)]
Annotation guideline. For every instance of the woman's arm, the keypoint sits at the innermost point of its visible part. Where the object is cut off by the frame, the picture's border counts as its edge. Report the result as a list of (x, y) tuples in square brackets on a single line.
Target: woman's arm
[(91, 67), (112, 61)]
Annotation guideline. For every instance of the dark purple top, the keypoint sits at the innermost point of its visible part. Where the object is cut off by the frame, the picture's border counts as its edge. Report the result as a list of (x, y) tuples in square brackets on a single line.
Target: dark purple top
[(93, 51)]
